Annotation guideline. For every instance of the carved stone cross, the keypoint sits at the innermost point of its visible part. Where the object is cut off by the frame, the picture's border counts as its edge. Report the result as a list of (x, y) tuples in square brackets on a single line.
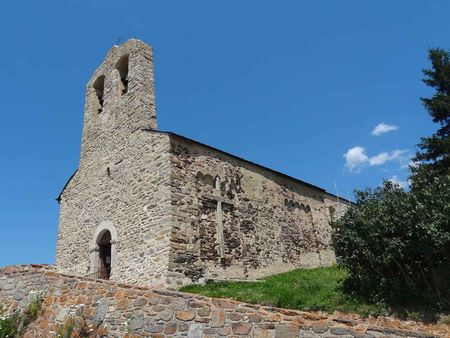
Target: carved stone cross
[(216, 197)]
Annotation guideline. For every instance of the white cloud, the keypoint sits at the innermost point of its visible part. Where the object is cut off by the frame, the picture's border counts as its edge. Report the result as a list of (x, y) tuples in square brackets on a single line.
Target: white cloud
[(394, 179), (356, 158), (398, 153), (403, 157), (383, 128), (379, 159)]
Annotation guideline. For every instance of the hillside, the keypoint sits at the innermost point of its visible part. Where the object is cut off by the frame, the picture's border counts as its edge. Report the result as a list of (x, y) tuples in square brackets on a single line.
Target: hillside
[(303, 289)]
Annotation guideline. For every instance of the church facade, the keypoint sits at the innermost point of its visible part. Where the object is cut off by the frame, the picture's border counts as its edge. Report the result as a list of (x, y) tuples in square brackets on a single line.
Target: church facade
[(155, 208)]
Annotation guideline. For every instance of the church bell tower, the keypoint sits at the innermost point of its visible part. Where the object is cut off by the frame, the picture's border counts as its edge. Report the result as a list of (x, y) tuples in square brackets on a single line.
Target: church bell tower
[(120, 99)]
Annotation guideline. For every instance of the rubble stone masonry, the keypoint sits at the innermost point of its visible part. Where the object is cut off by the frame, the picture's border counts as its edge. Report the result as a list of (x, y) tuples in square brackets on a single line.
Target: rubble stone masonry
[(122, 182), (111, 309), (270, 223), (177, 211)]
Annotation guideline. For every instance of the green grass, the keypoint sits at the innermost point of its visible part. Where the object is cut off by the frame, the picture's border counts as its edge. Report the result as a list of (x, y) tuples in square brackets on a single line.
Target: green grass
[(312, 289)]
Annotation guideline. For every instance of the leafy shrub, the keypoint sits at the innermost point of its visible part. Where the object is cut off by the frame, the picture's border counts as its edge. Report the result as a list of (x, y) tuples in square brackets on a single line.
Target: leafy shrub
[(9, 324), (31, 313), (66, 330), (15, 324), (396, 243), (76, 326)]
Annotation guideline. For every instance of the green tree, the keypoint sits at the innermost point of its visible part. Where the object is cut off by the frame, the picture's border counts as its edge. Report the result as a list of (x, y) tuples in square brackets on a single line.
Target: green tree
[(396, 243), (435, 150)]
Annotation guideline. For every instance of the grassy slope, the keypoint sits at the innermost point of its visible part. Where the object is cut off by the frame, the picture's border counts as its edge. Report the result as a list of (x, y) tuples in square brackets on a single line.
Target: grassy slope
[(315, 289)]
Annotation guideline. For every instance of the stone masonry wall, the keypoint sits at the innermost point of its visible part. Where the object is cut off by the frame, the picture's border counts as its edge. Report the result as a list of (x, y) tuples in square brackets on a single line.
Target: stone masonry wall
[(271, 223), (122, 183), (177, 211), (135, 199), (109, 309)]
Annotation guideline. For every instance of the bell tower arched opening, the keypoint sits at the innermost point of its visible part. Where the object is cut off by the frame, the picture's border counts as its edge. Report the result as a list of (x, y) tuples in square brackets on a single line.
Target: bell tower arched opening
[(122, 67), (99, 87)]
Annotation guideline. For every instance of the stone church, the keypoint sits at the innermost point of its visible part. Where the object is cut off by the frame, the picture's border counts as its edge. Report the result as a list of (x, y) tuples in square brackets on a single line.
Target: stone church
[(155, 208)]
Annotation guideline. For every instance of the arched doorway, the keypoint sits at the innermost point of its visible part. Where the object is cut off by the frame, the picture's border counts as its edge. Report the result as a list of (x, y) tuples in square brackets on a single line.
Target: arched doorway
[(104, 255), (103, 251)]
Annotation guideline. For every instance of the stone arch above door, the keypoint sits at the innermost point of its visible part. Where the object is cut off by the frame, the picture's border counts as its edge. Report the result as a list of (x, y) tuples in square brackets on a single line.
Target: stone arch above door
[(94, 259)]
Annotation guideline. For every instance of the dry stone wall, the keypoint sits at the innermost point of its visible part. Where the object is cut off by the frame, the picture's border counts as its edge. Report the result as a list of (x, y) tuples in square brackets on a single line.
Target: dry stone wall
[(269, 223), (108, 309)]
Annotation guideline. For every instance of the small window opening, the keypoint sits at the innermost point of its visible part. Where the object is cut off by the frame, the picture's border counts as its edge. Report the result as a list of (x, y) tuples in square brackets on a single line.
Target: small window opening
[(122, 67), (99, 86), (108, 171)]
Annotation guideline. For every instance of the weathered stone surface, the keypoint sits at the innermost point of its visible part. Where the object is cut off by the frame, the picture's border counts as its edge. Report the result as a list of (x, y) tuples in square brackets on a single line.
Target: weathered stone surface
[(209, 331), (286, 331), (223, 303), (158, 308), (218, 318), (224, 331), (268, 326), (177, 304), (241, 328), (122, 304), (320, 328), (263, 333), (165, 315), (63, 312), (205, 312), (64, 294), (101, 310), (19, 294), (171, 328), (307, 334), (137, 320), (182, 327), (154, 328), (234, 316), (340, 331), (177, 211), (195, 330), (185, 315), (255, 318), (139, 302)]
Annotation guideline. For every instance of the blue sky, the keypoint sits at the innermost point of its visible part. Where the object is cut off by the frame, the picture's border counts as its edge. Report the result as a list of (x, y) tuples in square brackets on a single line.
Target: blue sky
[(291, 85)]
